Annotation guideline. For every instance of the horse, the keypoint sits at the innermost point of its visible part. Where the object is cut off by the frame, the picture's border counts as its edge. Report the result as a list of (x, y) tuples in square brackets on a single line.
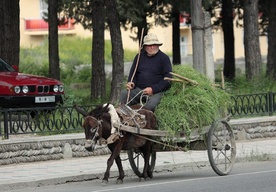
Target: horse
[(98, 125)]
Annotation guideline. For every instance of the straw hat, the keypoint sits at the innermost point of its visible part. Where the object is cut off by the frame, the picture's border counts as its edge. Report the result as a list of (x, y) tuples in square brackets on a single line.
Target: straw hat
[(151, 39)]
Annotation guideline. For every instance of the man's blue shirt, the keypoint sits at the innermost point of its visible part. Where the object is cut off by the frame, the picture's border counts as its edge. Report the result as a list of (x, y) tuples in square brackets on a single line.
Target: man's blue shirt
[(151, 71)]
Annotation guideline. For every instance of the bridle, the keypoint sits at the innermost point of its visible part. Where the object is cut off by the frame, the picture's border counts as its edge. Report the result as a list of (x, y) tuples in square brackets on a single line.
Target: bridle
[(94, 129)]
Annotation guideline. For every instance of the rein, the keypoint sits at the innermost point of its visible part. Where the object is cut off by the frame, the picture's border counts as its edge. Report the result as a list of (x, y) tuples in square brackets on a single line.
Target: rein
[(141, 97), (136, 66), (161, 143), (158, 142)]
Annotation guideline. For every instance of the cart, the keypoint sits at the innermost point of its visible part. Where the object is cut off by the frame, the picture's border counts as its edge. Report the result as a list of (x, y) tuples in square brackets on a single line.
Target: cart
[(218, 140)]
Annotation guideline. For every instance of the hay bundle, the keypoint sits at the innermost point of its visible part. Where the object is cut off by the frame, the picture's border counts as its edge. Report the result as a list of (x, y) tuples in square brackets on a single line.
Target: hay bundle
[(184, 108)]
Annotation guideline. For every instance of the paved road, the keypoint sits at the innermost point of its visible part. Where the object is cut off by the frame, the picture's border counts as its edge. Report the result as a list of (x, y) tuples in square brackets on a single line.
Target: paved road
[(245, 177), (79, 169)]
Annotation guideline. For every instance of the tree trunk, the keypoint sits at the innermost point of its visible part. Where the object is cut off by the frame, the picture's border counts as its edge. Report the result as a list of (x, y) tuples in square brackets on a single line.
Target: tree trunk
[(117, 50), (271, 56), (53, 51), (2, 31), (253, 58), (197, 35), (229, 41), (98, 87), (176, 36), (9, 31)]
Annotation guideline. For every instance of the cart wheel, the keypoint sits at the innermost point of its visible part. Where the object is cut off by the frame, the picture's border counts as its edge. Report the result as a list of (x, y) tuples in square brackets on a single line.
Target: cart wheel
[(221, 147), (136, 161)]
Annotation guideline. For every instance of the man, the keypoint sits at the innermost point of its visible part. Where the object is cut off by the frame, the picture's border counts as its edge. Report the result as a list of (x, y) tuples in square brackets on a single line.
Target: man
[(146, 78)]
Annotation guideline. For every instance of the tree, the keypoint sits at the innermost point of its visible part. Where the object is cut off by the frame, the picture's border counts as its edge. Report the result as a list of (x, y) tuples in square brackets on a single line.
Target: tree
[(176, 35), (134, 15), (98, 85), (271, 56), (178, 7), (81, 11), (9, 31), (253, 58), (53, 51), (117, 50), (229, 39), (84, 12), (224, 20)]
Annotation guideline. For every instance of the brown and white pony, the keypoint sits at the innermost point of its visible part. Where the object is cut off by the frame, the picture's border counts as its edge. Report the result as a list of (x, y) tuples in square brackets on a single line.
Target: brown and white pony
[(98, 125)]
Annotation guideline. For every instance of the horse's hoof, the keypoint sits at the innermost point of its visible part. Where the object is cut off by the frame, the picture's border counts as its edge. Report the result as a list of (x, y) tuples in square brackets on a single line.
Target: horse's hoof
[(142, 179), (119, 181), (150, 176), (104, 182)]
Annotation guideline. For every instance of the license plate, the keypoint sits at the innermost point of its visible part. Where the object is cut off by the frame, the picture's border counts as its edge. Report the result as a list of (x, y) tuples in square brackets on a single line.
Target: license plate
[(45, 99)]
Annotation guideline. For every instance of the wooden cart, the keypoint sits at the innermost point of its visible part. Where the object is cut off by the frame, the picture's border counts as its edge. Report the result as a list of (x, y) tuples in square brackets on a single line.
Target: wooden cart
[(218, 139)]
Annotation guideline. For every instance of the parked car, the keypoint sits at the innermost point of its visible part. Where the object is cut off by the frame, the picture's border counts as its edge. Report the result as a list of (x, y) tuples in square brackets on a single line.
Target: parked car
[(19, 90)]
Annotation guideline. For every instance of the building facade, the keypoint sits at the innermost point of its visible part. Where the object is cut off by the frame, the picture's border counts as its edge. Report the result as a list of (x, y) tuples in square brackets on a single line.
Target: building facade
[(34, 30)]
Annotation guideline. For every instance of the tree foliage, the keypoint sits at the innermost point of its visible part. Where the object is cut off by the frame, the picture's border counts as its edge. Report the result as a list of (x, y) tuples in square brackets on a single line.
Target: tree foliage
[(134, 15)]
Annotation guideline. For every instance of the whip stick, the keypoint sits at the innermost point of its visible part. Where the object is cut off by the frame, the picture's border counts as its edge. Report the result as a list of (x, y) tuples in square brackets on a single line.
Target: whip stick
[(138, 58)]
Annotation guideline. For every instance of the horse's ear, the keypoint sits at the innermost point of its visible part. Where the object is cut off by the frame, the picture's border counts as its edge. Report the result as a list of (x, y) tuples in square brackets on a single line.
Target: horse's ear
[(80, 110)]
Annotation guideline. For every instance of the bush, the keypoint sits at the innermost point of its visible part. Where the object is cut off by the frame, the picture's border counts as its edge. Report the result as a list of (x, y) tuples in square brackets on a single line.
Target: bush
[(261, 84)]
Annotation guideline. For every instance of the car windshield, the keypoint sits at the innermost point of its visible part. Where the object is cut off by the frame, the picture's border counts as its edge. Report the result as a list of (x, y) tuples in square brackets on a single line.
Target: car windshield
[(4, 67)]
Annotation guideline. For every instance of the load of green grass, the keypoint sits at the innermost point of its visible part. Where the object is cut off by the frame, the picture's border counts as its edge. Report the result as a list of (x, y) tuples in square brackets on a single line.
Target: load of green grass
[(184, 108)]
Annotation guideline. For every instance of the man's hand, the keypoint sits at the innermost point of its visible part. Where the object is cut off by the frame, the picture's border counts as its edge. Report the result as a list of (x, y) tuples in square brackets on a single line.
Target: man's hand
[(148, 91), (130, 85)]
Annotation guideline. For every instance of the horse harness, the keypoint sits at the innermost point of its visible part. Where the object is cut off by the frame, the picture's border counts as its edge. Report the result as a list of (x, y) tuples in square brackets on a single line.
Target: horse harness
[(136, 119), (131, 117), (94, 129), (128, 116)]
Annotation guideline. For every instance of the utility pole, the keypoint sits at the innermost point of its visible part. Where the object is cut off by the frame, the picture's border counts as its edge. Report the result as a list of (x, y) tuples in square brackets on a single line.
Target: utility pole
[(203, 60), (208, 47), (197, 35)]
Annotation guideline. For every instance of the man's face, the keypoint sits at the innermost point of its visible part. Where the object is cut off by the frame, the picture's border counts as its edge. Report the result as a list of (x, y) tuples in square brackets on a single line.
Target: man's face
[(151, 49)]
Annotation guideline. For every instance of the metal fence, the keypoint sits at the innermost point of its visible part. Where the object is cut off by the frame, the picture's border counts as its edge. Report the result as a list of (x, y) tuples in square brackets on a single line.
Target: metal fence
[(50, 120), (253, 105), (57, 120)]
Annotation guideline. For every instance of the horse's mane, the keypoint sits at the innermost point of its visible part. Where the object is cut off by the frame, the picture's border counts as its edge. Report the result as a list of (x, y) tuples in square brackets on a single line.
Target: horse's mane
[(107, 113), (99, 111)]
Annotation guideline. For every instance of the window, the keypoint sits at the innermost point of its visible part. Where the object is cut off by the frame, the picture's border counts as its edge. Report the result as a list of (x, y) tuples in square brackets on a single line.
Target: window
[(43, 8), (183, 45)]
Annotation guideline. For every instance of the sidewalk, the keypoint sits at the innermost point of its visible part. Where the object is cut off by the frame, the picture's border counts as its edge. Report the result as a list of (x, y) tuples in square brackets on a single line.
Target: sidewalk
[(79, 169)]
